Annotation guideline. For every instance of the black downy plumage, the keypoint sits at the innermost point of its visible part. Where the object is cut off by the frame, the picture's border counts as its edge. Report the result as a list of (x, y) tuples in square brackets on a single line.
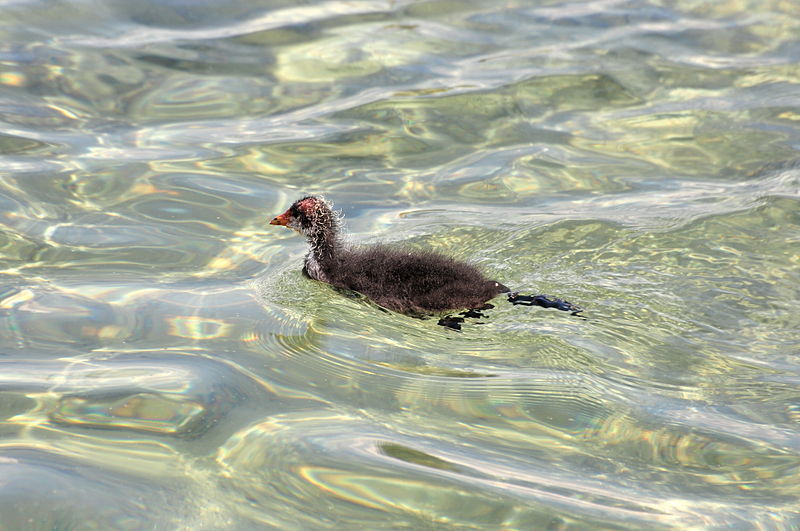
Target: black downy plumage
[(410, 282)]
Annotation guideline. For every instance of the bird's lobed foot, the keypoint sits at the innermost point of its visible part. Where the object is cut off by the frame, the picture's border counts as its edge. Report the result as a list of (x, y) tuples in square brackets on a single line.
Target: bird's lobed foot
[(449, 321), (454, 322), (545, 301)]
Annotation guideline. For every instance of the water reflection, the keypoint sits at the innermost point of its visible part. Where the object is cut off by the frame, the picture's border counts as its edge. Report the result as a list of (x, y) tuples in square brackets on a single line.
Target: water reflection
[(165, 364)]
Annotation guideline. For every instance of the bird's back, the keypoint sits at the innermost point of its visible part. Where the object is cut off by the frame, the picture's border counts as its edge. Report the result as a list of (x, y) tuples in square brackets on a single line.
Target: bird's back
[(412, 281)]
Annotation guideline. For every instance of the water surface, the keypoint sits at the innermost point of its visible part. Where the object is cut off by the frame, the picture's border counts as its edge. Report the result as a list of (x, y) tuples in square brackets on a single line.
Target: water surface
[(166, 366)]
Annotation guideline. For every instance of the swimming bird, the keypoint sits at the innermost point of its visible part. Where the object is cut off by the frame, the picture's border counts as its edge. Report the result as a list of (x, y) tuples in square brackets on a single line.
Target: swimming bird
[(406, 281)]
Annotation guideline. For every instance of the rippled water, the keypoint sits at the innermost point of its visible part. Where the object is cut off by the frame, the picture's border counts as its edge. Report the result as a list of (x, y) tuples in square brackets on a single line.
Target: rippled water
[(166, 366)]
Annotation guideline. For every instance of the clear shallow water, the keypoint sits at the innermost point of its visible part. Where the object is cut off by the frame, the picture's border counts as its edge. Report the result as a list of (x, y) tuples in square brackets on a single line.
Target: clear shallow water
[(165, 365)]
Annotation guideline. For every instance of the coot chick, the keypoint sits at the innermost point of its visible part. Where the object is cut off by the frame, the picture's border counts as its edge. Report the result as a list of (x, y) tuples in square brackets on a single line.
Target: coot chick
[(411, 282)]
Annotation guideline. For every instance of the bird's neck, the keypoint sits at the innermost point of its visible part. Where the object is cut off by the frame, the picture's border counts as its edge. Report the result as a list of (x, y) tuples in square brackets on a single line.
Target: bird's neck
[(321, 259)]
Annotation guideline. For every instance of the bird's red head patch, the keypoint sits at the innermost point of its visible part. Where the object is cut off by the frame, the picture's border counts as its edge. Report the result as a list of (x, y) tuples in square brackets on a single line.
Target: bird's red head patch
[(307, 205)]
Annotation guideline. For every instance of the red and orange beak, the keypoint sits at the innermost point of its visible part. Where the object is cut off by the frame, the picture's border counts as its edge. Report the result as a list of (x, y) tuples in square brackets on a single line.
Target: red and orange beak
[(283, 219)]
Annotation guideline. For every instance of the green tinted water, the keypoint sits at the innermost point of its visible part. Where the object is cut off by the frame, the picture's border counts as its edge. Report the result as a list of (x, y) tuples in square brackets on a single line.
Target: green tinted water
[(166, 366)]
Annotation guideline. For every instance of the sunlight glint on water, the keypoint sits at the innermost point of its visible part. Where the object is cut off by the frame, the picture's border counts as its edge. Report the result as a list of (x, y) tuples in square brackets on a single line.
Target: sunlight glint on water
[(166, 366)]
